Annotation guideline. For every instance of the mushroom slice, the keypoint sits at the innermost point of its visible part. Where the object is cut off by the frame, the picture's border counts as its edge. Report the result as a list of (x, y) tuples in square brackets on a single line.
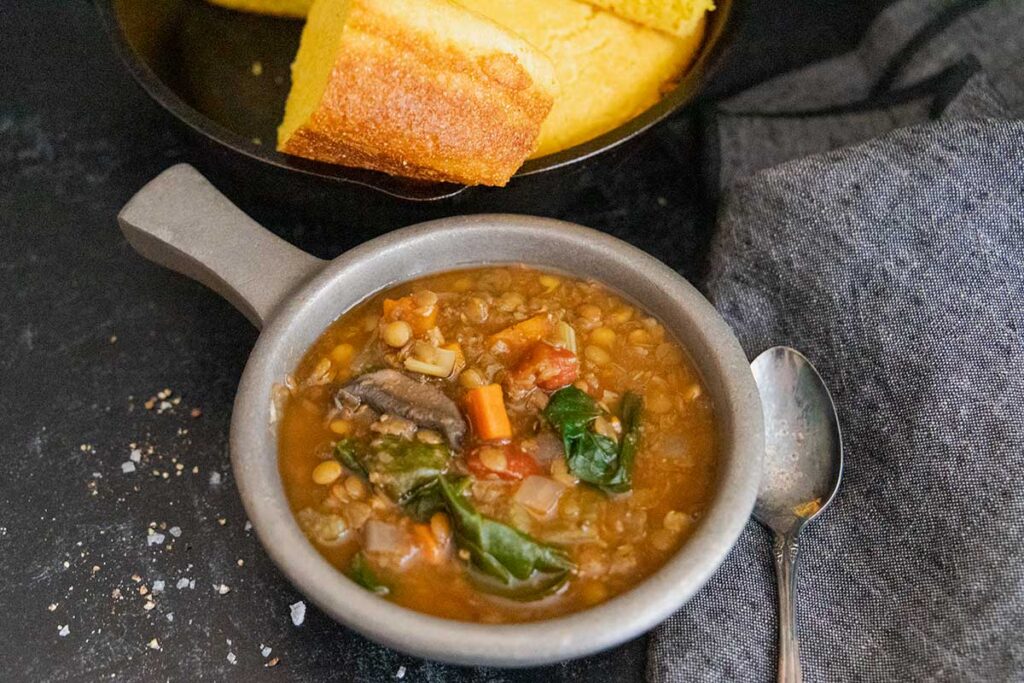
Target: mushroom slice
[(390, 391)]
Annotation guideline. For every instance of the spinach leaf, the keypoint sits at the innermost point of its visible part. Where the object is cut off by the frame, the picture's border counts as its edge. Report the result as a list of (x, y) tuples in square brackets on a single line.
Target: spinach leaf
[(631, 409), (398, 466), (422, 503), (592, 457), (571, 409), (346, 452), (361, 572), (534, 588), (589, 456), (515, 559), (595, 458)]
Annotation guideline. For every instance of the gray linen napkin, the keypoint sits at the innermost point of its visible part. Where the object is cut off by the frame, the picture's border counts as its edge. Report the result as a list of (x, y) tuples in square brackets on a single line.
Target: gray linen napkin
[(896, 263)]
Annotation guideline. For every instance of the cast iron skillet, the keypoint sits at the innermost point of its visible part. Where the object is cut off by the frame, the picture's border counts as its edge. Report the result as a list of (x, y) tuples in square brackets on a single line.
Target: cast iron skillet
[(196, 60)]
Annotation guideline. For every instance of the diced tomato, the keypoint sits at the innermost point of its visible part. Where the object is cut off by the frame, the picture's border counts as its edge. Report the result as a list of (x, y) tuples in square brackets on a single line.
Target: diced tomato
[(506, 461), (545, 366)]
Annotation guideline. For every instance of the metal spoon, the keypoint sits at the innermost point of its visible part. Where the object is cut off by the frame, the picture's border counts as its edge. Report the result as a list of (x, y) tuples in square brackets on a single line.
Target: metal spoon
[(803, 464)]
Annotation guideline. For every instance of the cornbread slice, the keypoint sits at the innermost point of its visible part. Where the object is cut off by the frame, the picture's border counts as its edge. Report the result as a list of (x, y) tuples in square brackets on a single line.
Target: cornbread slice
[(418, 88), (609, 69), (678, 17), (280, 8)]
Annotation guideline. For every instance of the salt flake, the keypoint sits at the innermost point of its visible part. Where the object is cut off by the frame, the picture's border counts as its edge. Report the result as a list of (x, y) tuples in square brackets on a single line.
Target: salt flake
[(298, 612), (64, 630), (127, 467)]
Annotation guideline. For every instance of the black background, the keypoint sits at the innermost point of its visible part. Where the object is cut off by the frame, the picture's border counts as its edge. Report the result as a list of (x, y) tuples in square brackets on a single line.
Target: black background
[(89, 331)]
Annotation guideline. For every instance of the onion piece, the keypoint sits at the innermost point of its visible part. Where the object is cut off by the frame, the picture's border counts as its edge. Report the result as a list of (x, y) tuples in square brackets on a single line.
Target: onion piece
[(549, 447), (565, 336), (431, 360), (539, 494), (381, 537)]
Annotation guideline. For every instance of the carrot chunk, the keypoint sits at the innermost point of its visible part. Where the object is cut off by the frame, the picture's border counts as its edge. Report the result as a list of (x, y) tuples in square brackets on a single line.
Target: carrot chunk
[(523, 333), (486, 407), (426, 542)]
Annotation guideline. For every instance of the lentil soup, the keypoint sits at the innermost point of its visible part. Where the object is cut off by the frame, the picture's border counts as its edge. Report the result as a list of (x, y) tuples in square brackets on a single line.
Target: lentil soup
[(496, 445)]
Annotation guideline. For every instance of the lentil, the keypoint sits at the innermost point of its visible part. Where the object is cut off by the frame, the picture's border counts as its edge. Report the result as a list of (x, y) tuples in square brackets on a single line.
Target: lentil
[(326, 472), (397, 334), (597, 355)]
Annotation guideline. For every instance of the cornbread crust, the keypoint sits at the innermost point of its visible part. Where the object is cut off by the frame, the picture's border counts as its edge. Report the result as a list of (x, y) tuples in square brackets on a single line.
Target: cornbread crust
[(425, 89), (280, 8)]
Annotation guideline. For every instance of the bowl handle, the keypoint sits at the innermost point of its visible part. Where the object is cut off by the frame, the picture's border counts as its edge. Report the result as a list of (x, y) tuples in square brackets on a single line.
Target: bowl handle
[(182, 222)]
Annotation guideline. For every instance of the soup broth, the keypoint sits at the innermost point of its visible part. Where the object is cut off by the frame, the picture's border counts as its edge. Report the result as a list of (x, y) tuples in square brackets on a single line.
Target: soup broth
[(496, 445)]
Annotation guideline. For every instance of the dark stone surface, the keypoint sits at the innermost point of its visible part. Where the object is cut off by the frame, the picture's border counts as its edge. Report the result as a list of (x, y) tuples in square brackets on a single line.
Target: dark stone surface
[(89, 332)]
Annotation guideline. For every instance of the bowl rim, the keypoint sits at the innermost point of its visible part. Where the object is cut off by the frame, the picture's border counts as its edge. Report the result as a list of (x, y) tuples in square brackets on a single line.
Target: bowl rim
[(253, 441), (706, 63)]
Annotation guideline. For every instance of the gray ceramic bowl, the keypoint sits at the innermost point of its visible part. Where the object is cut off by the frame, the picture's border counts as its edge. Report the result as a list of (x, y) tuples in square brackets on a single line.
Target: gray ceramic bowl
[(180, 221)]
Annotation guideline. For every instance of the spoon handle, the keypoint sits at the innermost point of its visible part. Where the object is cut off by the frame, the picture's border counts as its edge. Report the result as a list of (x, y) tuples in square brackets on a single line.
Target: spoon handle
[(785, 549)]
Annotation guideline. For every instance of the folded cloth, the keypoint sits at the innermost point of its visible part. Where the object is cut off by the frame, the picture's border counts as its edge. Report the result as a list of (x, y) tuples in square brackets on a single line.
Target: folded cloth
[(896, 263), (916, 58)]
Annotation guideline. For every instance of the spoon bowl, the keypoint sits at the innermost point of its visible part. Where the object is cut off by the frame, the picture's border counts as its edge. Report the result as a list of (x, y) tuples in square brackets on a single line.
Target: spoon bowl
[(803, 465), (803, 460)]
